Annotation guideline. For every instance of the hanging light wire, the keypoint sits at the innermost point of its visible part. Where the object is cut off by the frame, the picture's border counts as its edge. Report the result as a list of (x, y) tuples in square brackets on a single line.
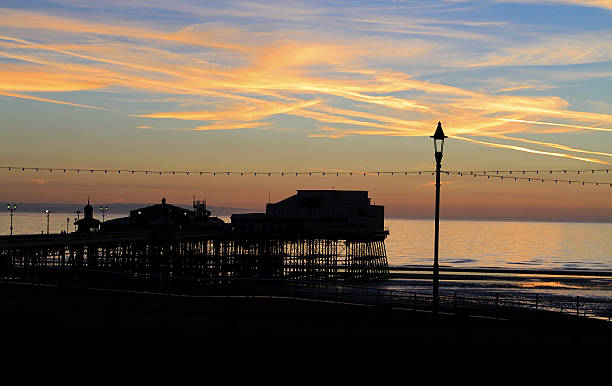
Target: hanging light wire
[(509, 177), (515, 175), (217, 173), (525, 171)]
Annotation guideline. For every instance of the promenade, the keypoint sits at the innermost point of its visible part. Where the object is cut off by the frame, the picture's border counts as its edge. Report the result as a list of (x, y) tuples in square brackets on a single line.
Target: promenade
[(47, 312)]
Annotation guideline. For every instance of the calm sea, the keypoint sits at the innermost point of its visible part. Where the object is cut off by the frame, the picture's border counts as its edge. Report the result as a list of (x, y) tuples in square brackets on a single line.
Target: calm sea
[(463, 244), (523, 247), (502, 244)]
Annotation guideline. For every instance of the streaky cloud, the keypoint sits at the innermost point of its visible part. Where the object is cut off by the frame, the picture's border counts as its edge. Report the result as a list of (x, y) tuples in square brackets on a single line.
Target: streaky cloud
[(39, 99), (551, 145), (527, 150), (556, 124)]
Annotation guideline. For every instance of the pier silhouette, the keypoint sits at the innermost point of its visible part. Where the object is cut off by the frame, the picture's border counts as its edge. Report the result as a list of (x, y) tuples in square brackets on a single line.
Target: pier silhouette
[(313, 235)]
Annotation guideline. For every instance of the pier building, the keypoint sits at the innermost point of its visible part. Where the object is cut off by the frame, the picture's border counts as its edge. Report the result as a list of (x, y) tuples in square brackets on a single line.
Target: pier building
[(165, 217), (87, 224), (316, 212)]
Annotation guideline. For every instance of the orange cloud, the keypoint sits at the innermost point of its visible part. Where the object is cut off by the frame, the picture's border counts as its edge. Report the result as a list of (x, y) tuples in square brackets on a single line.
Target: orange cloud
[(15, 79), (232, 126), (259, 110), (39, 181)]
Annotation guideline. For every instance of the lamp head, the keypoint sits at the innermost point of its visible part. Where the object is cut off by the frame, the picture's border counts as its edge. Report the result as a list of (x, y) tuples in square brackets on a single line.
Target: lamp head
[(438, 138)]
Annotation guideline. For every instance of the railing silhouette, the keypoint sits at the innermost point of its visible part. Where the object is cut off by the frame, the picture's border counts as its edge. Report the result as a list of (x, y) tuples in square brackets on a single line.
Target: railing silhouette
[(493, 307)]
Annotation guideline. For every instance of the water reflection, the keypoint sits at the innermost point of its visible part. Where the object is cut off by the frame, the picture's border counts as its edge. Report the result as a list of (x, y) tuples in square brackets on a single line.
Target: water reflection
[(463, 244), (502, 244)]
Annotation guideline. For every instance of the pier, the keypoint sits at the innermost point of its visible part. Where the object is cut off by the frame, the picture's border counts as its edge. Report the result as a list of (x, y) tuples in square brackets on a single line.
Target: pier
[(147, 256), (315, 235)]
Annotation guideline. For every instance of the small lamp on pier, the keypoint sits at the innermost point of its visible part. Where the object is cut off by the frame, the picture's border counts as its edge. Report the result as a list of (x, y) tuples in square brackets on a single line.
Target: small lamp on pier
[(103, 210), (12, 208), (48, 212), (438, 139)]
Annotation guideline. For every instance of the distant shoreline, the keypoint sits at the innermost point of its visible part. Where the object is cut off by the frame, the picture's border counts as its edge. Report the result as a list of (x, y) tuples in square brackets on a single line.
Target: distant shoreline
[(124, 209), (114, 208)]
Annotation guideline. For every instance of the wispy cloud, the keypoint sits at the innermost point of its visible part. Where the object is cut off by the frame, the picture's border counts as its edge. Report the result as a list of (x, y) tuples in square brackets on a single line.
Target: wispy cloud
[(605, 4), (556, 124), (23, 96), (553, 145), (241, 76), (527, 150)]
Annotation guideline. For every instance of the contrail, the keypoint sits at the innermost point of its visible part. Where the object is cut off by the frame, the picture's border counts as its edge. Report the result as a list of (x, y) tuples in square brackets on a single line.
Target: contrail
[(555, 124), (519, 148), (550, 144), (23, 96)]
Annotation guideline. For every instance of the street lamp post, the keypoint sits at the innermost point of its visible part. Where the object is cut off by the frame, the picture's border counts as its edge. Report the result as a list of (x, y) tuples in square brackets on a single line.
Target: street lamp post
[(12, 208), (103, 210), (48, 212), (438, 138)]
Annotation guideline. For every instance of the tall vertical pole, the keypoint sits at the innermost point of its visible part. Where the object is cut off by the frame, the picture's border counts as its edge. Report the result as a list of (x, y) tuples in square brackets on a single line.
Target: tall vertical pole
[(11, 221), (438, 138), (436, 267)]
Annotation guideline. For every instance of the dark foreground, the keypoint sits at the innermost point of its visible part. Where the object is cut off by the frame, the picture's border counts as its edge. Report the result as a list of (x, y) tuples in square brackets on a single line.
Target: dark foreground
[(32, 314)]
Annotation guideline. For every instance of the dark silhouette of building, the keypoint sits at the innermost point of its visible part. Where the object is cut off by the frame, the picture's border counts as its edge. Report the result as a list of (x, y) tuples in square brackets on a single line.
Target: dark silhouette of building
[(316, 212), (166, 217), (87, 224), (327, 235)]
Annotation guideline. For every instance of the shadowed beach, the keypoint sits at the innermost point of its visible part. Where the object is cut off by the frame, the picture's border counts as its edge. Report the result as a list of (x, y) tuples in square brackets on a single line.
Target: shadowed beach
[(32, 312)]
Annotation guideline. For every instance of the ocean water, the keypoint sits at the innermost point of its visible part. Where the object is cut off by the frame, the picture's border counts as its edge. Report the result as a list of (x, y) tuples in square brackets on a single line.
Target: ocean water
[(463, 244), (518, 248), (502, 244)]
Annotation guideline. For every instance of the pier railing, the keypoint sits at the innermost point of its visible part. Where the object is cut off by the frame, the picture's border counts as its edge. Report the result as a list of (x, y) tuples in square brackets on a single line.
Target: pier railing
[(489, 306)]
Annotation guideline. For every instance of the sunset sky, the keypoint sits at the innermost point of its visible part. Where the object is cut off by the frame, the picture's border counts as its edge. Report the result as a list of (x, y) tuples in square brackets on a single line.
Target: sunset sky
[(309, 86)]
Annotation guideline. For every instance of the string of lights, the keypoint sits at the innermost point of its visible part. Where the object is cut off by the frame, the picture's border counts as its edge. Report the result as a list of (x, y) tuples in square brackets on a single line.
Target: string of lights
[(532, 179), (537, 172), (215, 173), (516, 175)]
